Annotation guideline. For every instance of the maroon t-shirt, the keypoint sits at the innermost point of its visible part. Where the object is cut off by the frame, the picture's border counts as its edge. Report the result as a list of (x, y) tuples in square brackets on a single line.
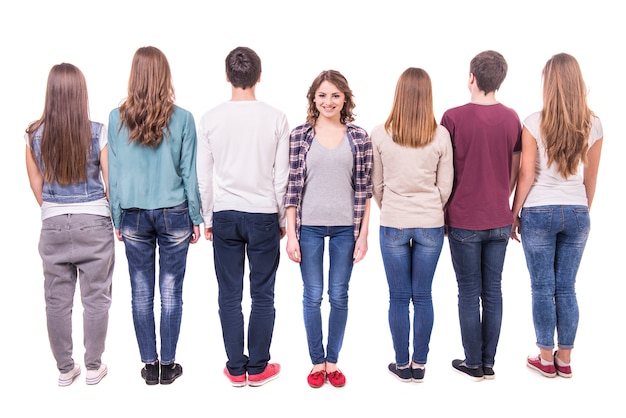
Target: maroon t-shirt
[(484, 139)]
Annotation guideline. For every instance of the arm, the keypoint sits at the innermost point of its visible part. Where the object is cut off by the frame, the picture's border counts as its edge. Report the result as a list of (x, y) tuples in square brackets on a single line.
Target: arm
[(378, 185), (189, 174), (515, 167), (281, 171), (34, 175), (293, 245), (204, 168), (525, 180), (591, 170), (360, 248), (104, 167)]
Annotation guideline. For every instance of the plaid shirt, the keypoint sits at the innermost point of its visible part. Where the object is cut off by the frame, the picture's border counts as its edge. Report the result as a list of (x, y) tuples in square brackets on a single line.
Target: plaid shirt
[(299, 145)]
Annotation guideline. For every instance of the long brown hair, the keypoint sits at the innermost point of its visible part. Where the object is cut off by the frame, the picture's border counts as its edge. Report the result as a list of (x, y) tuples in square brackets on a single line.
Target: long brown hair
[(149, 105), (66, 132), (338, 80), (411, 122), (565, 117)]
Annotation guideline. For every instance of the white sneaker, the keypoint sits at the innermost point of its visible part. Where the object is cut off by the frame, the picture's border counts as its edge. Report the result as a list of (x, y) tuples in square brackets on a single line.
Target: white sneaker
[(66, 379), (95, 376)]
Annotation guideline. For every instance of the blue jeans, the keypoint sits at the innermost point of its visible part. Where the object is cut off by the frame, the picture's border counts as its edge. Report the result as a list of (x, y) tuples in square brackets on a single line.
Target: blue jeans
[(142, 230), (478, 260), (554, 238), (236, 234), (341, 249), (410, 258)]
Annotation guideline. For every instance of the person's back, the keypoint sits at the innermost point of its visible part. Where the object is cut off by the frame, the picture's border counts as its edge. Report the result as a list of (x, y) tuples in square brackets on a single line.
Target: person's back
[(486, 138), (243, 165)]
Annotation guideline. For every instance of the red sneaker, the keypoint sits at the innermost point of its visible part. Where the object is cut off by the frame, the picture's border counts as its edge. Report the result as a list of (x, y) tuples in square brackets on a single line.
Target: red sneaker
[(317, 379), (336, 378), (271, 372), (236, 381), (535, 363), (562, 370)]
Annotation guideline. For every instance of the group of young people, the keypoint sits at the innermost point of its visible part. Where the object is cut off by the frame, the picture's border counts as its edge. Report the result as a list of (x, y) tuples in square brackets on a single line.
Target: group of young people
[(151, 178)]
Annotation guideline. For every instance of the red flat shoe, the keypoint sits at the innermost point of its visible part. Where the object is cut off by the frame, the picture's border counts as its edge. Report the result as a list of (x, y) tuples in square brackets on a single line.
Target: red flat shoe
[(336, 378), (316, 379)]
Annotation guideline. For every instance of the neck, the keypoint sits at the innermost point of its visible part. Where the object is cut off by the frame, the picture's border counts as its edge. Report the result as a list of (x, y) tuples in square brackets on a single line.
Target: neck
[(239, 94), (480, 97)]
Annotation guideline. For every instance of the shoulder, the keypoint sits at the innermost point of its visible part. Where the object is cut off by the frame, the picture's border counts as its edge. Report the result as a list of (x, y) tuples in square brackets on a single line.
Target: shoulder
[(356, 132), (302, 130)]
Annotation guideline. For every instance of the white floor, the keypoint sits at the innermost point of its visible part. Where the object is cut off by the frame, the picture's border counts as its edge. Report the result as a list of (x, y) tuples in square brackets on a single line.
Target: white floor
[(595, 388)]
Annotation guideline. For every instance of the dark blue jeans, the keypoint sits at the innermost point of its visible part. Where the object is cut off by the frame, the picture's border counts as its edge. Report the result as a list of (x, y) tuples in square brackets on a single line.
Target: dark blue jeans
[(142, 230), (257, 235), (478, 260), (554, 238), (341, 252), (410, 257)]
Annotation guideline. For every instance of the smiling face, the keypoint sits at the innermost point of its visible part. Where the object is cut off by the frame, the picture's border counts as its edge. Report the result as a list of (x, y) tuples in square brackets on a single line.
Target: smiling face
[(329, 100)]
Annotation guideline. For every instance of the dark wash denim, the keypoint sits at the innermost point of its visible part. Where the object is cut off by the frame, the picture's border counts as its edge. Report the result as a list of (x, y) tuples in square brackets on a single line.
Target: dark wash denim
[(554, 239), (410, 257), (478, 260), (257, 235), (143, 230), (341, 252)]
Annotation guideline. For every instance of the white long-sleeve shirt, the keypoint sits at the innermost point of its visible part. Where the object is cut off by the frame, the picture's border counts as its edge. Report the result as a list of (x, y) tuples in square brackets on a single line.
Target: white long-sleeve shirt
[(243, 159)]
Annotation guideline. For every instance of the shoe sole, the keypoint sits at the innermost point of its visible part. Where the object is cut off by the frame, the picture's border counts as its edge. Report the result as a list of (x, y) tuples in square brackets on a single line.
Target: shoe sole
[(541, 372), (237, 384), (261, 382), (409, 380), (70, 380), (170, 381), (565, 375), (469, 376), (96, 379)]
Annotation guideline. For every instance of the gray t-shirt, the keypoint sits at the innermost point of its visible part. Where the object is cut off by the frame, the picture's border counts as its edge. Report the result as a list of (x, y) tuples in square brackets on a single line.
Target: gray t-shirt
[(328, 194)]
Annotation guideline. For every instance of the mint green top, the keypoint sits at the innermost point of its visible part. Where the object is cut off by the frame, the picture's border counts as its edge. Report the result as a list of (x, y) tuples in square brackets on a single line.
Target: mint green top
[(146, 178)]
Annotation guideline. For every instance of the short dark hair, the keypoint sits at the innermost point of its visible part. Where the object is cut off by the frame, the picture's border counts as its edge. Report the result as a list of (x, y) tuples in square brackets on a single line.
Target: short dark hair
[(489, 69), (243, 67)]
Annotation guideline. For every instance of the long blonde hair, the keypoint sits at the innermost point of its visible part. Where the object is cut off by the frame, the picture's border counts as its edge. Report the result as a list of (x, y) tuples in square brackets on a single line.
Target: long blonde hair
[(66, 133), (149, 105), (565, 117), (412, 121)]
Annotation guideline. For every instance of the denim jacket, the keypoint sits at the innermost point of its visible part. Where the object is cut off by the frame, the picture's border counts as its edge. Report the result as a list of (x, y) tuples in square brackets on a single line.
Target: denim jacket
[(86, 191)]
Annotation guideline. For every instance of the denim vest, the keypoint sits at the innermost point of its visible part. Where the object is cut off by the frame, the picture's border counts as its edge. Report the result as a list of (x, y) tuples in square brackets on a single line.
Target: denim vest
[(86, 191)]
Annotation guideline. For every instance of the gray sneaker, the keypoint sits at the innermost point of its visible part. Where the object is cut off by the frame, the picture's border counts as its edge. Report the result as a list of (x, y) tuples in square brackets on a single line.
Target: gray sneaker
[(95, 376)]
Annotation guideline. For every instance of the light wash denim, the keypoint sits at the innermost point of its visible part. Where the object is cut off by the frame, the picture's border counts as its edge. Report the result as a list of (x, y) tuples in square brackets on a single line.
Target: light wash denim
[(257, 235), (341, 250), (143, 230), (77, 247), (478, 260), (554, 238), (410, 257), (88, 190)]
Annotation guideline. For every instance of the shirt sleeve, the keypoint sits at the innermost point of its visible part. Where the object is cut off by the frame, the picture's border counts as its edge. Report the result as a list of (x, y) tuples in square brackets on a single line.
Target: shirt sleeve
[(281, 168), (188, 168), (204, 168)]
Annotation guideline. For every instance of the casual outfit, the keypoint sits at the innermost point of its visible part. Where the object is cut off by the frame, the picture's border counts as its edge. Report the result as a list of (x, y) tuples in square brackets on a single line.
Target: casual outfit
[(77, 243), (555, 225), (155, 202), (329, 189), (243, 165), (411, 187), (478, 218)]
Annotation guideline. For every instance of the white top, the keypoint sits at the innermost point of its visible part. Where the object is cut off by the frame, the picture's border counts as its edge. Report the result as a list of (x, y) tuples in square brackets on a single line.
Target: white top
[(550, 188), (243, 159)]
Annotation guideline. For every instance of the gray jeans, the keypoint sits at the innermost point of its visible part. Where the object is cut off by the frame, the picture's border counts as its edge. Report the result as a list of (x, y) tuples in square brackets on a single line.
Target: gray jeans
[(77, 246)]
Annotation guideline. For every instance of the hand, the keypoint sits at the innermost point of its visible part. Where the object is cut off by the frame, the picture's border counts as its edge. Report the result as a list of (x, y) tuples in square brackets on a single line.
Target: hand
[(515, 229), (118, 234), (283, 232), (208, 233), (195, 235), (293, 249), (360, 249)]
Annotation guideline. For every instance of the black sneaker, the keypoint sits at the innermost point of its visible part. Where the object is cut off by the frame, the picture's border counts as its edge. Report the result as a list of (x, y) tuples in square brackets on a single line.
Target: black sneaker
[(150, 373), (170, 373), (488, 373), (404, 375), (417, 374), (473, 373)]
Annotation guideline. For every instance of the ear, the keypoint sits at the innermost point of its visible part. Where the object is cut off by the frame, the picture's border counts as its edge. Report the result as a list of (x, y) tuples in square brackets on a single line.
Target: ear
[(227, 79), (259, 79)]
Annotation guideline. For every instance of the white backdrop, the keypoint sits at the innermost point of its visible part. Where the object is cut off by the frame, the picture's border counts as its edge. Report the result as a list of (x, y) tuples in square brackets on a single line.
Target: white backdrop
[(371, 44)]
